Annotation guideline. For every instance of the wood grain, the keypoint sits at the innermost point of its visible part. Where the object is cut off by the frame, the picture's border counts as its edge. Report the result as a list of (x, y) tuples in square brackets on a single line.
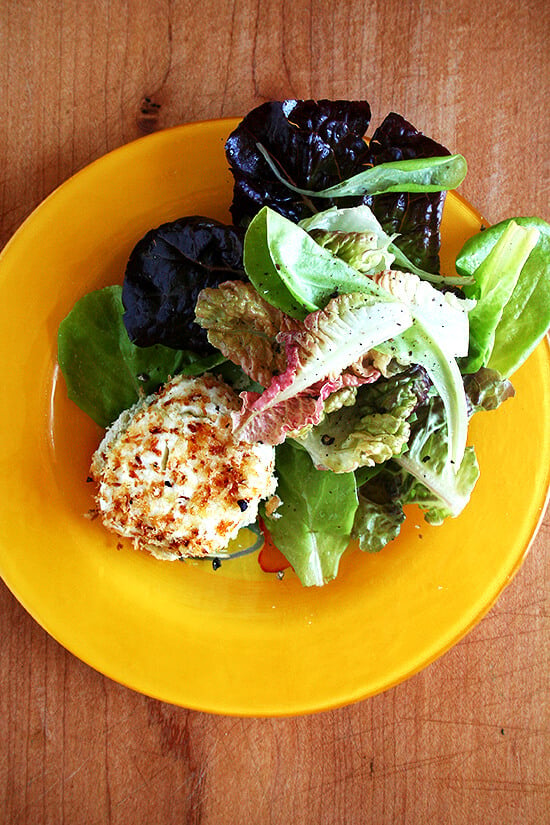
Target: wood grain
[(468, 739)]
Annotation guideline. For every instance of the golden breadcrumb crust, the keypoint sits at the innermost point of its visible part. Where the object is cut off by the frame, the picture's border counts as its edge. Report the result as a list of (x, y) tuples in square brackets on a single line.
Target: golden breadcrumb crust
[(173, 477)]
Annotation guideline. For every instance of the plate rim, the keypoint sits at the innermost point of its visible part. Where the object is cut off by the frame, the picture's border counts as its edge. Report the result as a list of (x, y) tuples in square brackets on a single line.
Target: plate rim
[(243, 712)]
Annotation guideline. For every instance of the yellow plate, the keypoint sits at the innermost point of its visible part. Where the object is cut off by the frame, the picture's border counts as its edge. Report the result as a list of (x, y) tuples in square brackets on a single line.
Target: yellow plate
[(232, 641)]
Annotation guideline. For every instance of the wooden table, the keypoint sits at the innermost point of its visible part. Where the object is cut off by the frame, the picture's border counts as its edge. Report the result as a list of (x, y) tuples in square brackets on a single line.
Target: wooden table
[(468, 739)]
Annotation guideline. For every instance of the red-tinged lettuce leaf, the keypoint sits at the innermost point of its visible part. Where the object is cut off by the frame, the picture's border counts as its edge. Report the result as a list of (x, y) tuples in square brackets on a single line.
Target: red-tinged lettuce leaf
[(416, 217), (315, 144), (372, 430), (486, 390), (379, 516), (165, 273), (258, 420), (244, 327), (318, 353), (273, 424)]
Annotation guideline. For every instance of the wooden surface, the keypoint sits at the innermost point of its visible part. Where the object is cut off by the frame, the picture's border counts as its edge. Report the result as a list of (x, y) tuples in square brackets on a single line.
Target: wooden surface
[(467, 740)]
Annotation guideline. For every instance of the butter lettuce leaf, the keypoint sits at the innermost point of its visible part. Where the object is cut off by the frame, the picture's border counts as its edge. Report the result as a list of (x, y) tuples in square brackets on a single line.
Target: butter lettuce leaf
[(104, 371), (315, 519), (293, 272), (510, 263)]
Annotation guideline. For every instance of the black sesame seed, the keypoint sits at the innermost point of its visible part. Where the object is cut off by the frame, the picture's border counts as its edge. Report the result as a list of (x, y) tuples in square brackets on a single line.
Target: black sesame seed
[(216, 564), (243, 504)]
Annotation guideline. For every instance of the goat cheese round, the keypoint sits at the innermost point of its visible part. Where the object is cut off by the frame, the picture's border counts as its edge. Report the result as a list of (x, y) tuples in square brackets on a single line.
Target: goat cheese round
[(173, 477)]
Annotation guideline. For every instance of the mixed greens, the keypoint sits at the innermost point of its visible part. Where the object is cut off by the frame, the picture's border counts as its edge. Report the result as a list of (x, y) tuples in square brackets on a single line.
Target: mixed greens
[(323, 304)]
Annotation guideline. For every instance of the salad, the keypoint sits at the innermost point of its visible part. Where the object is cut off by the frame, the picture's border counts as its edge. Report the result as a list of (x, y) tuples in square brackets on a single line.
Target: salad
[(324, 306)]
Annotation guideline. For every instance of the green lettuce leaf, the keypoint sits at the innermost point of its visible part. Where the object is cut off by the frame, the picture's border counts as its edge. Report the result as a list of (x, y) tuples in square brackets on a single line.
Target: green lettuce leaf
[(244, 328), (291, 271), (417, 346), (510, 262), (105, 373), (315, 520), (436, 174), (371, 431), (379, 514), (427, 479), (430, 483), (294, 273), (355, 235), (438, 335)]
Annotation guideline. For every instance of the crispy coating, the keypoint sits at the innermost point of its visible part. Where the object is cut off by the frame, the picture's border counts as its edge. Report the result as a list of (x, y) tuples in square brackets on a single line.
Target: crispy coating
[(172, 476)]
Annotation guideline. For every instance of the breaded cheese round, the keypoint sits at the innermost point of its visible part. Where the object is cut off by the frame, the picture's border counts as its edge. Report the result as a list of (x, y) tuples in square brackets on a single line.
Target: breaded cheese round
[(173, 477)]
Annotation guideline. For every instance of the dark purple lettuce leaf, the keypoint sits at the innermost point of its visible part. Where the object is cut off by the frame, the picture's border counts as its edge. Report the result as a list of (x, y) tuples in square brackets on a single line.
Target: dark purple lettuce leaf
[(166, 271), (316, 144), (417, 217)]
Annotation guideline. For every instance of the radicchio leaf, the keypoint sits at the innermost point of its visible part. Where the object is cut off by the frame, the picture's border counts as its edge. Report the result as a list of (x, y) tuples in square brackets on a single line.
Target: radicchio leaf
[(165, 273)]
